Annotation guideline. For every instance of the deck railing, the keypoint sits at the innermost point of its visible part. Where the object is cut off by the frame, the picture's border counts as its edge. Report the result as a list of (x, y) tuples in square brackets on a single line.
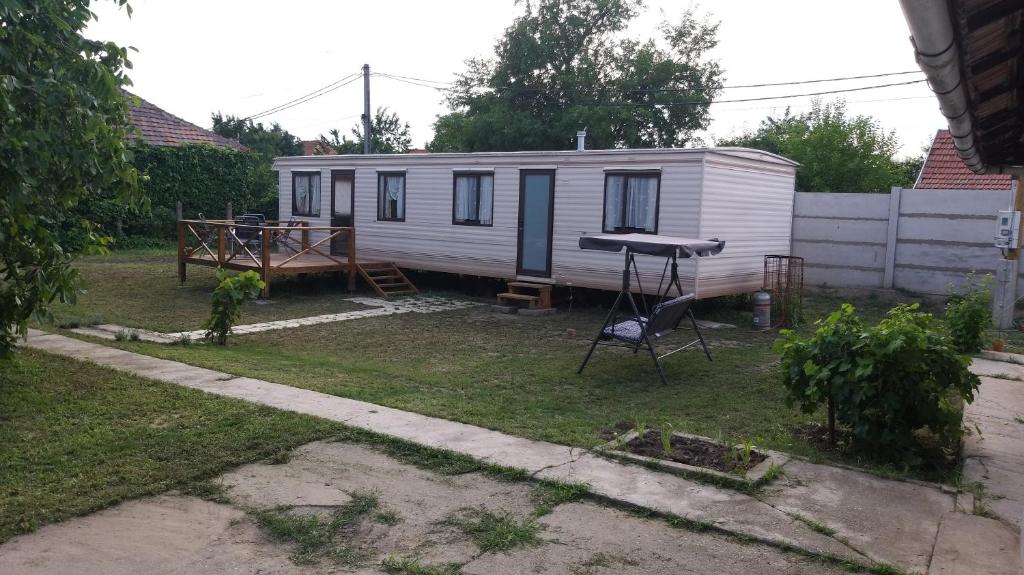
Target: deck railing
[(227, 244)]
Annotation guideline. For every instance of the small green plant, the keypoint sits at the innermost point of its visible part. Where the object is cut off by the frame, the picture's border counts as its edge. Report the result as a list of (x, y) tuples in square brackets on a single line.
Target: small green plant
[(184, 339), (410, 566), (816, 526), (314, 535), (388, 517), (226, 302), (666, 439), (885, 382), (969, 313), (741, 454), (496, 532), (550, 494), (640, 427)]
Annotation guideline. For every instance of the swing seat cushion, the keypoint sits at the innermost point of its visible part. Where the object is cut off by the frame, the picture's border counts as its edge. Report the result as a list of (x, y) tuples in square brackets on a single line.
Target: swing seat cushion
[(629, 331)]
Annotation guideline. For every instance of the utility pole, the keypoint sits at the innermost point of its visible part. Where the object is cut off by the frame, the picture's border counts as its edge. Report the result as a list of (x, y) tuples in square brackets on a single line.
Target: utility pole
[(366, 109)]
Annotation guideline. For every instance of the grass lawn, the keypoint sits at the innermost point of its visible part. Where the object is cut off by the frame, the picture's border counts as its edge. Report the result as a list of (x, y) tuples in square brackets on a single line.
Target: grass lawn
[(139, 289), (507, 372), (76, 437), (518, 374)]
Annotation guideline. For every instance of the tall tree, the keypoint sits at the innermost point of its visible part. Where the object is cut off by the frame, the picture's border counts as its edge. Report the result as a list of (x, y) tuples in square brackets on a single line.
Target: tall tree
[(388, 135), (837, 152), (564, 65), (64, 129), (267, 142)]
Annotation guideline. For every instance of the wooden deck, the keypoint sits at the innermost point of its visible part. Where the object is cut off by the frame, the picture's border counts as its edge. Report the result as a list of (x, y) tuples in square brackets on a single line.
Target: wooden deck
[(270, 250)]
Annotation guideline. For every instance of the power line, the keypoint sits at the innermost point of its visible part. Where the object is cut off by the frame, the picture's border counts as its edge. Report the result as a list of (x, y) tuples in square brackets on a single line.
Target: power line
[(762, 98), (403, 80), (796, 82), (929, 97), (305, 98), (705, 101), (396, 76), (764, 85)]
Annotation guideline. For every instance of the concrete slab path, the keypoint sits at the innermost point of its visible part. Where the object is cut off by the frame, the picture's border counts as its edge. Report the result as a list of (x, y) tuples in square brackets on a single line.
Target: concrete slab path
[(994, 449), (375, 307), (868, 519), (412, 520)]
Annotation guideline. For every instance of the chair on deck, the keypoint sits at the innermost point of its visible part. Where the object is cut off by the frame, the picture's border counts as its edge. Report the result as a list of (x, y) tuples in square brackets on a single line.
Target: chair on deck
[(248, 232), (641, 332), (283, 238)]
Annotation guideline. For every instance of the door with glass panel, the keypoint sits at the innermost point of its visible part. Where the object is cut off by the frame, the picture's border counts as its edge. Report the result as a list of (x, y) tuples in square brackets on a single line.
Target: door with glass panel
[(342, 188), (536, 218)]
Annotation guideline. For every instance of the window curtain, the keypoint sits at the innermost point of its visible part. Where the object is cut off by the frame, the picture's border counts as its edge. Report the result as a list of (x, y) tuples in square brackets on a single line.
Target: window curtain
[(313, 206), (486, 198), (465, 198), (641, 202), (301, 193), (613, 190), (392, 192)]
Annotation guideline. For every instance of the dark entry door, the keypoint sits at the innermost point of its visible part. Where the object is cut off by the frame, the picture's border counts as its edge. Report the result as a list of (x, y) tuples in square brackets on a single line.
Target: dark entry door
[(342, 202), (536, 218)]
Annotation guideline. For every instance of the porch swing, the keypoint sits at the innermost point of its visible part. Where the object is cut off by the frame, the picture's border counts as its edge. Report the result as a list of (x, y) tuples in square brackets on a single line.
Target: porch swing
[(640, 331)]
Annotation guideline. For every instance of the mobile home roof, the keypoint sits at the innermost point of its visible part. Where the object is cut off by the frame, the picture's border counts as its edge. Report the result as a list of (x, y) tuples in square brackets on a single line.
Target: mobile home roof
[(745, 153)]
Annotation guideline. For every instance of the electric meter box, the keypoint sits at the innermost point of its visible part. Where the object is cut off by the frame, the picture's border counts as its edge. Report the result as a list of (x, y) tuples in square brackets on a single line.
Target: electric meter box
[(1006, 230)]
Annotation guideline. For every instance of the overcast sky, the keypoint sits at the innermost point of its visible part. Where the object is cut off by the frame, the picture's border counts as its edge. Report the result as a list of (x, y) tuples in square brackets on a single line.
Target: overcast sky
[(196, 57)]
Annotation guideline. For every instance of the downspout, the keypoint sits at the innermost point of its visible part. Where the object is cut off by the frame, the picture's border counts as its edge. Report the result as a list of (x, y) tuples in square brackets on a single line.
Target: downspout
[(931, 31)]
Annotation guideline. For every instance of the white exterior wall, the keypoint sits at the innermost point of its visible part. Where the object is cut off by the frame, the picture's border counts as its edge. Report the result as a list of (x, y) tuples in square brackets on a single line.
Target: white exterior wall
[(428, 239), (748, 204)]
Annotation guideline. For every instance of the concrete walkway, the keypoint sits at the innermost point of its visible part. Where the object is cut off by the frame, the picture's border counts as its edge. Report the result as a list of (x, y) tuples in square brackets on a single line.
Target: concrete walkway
[(994, 450), (376, 307), (818, 509)]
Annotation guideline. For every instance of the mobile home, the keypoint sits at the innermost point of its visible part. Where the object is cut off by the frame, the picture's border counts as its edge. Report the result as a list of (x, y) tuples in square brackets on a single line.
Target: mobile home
[(519, 215)]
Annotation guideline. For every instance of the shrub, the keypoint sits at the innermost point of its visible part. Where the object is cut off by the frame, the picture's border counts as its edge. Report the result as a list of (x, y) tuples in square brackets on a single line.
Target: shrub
[(226, 302), (884, 382), (969, 313)]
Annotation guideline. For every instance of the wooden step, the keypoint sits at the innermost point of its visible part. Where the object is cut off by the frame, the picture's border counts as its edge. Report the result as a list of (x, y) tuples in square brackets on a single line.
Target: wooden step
[(541, 299), (520, 296), (529, 285), (386, 279)]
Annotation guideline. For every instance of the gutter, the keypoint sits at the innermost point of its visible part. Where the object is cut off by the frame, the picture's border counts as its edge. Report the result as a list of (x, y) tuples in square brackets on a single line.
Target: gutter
[(931, 33), (934, 41)]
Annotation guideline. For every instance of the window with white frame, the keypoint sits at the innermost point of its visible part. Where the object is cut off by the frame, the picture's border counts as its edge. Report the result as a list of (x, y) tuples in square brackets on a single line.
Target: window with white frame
[(473, 200), (391, 196), (306, 194), (631, 202)]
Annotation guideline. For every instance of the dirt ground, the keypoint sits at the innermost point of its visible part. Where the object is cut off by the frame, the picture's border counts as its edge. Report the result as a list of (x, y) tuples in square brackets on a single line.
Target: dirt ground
[(345, 508)]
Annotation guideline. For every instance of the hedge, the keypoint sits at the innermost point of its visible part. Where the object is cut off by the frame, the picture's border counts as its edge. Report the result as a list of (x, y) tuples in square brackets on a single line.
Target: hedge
[(202, 177)]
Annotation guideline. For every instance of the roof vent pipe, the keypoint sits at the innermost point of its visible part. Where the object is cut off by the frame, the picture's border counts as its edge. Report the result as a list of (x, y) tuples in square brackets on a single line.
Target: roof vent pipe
[(581, 138), (931, 30)]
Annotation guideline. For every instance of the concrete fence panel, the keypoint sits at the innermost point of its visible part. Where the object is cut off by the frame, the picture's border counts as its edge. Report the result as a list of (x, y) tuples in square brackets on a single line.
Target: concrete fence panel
[(919, 240)]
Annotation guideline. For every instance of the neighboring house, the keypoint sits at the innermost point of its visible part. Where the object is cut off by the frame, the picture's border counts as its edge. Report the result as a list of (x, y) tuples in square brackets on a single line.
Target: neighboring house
[(316, 148), (157, 127), (944, 170), (520, 214)]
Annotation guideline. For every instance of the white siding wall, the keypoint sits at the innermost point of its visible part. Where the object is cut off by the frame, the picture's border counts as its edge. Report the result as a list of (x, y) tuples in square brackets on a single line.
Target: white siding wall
[(750, 206), (579, 208), (428, 240)]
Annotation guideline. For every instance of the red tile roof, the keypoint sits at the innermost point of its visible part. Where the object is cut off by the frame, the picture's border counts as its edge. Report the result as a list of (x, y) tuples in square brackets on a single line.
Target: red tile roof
[(943, 169), (317, 148), (159, 128)]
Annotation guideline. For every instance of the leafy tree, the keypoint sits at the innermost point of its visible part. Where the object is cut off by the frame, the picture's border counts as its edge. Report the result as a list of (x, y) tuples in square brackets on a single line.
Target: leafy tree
[(564, 65), (388, 135), (64, 129), (267, 142), (837, 152)]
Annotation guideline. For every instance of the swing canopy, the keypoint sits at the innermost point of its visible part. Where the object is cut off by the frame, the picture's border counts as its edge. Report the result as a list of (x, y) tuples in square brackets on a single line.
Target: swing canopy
[(652, 244)]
